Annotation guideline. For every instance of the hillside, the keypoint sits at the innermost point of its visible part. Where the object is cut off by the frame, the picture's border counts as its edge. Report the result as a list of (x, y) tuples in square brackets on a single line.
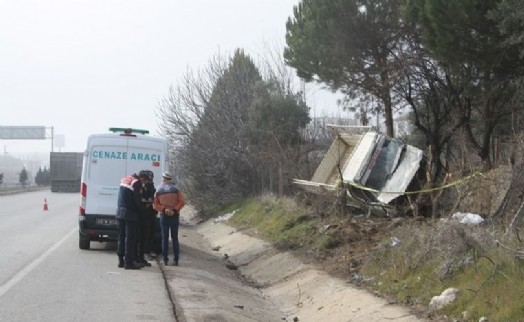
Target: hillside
[(408, 260)]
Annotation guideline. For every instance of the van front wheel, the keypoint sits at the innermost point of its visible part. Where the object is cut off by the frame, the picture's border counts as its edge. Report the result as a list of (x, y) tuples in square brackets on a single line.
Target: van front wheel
[(83, 243)]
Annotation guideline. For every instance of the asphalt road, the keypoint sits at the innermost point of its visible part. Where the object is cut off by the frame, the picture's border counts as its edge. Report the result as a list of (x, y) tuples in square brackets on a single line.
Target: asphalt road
[(44, 276)]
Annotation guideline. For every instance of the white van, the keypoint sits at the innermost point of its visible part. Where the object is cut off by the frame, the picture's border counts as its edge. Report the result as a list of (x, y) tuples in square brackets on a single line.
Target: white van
[(108, 158)]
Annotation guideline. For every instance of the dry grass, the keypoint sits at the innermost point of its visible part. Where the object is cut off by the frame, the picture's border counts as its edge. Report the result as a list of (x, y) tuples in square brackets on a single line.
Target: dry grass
[(410, 260), (431, 257)]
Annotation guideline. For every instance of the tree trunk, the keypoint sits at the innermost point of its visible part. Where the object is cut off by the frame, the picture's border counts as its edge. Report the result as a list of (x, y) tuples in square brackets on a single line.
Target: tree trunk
[(271, 179), (385, 96), (280, 180), (388, 111)]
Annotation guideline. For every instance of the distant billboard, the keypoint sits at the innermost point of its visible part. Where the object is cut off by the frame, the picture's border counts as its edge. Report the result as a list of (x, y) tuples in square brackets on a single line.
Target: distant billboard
[(59, 141), (22, 133)]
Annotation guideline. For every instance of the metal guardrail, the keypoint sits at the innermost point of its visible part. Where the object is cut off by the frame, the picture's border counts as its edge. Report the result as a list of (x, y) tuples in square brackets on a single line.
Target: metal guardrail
[(13, 189)]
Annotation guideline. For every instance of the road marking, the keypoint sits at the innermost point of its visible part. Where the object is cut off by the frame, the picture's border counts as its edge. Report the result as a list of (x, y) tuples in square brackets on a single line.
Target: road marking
[(26, 270)]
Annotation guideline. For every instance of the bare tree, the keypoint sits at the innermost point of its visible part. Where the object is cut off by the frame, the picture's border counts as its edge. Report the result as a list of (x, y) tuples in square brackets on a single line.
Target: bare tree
[(204, 119), (180, 114), (236, 132)]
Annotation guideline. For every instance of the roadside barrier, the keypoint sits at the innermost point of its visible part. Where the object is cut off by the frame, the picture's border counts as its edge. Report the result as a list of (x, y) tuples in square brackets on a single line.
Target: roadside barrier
[(13, 190)]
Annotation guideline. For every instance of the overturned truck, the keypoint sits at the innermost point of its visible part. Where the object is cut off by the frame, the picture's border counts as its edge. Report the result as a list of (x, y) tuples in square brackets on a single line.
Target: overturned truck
[(374, 172)]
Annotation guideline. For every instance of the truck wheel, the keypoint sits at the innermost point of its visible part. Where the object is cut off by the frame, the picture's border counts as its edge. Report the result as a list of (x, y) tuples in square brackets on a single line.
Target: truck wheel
[(84, 243)]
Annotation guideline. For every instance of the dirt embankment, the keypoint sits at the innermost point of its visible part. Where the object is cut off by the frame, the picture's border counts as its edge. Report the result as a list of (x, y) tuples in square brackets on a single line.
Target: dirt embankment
[(226, 275)]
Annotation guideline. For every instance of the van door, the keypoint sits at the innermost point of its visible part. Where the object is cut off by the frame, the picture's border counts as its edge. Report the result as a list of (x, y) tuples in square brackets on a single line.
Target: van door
[(146, 155), (107, 166), (111, 158)]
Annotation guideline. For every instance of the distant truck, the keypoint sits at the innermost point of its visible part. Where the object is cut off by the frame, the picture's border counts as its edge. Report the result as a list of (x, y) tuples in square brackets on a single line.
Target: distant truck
[(66, 171)]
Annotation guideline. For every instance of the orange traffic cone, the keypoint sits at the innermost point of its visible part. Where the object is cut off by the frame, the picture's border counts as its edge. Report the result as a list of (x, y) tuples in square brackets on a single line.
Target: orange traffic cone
[(45, 205)]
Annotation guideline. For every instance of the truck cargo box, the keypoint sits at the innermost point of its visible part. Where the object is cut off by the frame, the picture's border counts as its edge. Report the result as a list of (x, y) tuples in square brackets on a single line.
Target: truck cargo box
[(65, 169)]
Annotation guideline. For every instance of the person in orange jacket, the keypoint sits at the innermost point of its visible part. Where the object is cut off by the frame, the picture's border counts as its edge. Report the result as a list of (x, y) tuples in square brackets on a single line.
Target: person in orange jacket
[(168, 201)]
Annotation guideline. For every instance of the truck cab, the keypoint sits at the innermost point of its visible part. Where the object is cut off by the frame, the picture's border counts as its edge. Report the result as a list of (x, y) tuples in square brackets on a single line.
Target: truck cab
[(374, 169)]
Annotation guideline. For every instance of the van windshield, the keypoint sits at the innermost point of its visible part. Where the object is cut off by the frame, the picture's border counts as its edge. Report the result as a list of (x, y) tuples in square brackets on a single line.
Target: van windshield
[(383, 166)]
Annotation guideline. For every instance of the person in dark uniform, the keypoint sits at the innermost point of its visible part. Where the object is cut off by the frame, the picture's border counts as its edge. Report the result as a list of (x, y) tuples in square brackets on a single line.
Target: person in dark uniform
[(127, 217), (151, 216), (147, 191)]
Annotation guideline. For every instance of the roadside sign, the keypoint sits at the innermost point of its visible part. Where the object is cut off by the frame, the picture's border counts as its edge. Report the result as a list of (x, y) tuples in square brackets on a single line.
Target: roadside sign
[(22, 133)]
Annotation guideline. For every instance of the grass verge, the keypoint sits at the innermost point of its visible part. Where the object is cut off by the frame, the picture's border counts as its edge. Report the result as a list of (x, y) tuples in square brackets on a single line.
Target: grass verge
[(406, 259)]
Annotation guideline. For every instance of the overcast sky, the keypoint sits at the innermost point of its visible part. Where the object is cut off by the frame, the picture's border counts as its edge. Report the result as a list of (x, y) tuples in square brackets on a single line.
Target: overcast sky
[(82, 66)]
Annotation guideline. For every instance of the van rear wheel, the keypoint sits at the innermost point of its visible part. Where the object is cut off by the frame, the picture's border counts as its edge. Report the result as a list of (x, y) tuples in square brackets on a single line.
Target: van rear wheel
[(83, 243)]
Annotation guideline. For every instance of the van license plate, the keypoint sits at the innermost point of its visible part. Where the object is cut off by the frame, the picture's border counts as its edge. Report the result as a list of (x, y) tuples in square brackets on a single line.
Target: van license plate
[(106, 222)]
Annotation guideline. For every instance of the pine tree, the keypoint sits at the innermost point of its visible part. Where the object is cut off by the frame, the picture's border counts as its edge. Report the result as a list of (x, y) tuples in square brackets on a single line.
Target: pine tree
[(23, 177)]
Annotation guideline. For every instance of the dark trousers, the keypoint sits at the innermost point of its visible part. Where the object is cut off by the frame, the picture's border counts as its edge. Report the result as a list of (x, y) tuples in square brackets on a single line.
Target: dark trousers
[(170, 223), (144, 246), (126, 240), (152, 231)]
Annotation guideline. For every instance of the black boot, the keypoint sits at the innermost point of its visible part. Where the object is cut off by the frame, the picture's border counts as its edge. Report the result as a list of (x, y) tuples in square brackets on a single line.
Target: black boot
[(120, 262), (132, 266), (138, 264), (143, 261)]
